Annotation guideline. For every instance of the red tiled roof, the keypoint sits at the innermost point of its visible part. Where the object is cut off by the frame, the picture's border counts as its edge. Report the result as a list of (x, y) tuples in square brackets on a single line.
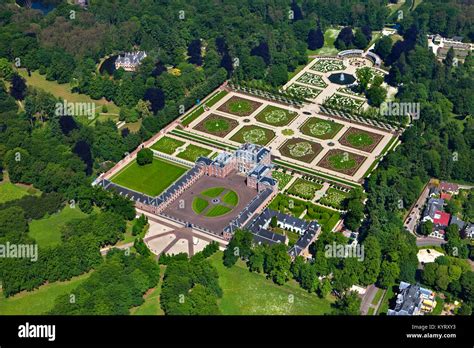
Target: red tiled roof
[(441, 218), (446, 196)]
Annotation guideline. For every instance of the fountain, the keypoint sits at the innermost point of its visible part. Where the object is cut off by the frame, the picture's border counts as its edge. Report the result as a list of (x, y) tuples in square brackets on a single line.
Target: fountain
[(342, 78)]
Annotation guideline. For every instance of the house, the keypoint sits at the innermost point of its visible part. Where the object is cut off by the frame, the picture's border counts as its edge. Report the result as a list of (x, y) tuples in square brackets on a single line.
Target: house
[(413, 300), (432, 206), (455, 221), (308, 231), (434, 191), (449, 187), (469, 231), (130, 60), (441, 219)]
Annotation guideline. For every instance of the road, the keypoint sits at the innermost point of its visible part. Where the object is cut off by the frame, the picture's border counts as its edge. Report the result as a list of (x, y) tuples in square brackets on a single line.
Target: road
[(427, 241), (414, 214)]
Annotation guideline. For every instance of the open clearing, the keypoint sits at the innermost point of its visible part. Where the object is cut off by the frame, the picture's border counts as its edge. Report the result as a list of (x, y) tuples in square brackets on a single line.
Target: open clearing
[(247, 293)]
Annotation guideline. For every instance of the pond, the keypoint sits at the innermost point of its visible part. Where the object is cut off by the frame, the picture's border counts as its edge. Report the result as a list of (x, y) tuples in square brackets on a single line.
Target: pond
[(108, 65), (45, 6)]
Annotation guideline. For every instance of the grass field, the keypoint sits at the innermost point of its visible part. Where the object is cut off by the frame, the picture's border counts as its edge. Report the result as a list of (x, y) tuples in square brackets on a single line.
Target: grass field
[(47, 231), (167, 145), (218, 210), (247, 293), (64, 91), (231, 198), (199, 205), (193, 152), (39, 301), (213, 192), (10, 192), (151, 179)]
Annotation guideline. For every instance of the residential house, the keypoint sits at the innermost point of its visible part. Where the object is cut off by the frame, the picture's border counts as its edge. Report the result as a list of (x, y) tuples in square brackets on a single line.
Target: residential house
[(413, 300)]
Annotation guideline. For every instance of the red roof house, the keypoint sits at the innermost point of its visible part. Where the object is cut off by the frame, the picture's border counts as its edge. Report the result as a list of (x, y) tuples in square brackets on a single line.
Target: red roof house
[(441, 218), (448, 187), (446, 196)]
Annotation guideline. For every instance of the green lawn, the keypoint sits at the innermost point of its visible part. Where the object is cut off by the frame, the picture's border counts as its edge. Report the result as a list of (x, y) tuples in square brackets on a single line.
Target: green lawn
[(231, 198), (377, 297), (47, 231), (199, 205), (360, 139), (247, 293), (304, 188), (218, 210), (10, 192), (340, 161), (64, 91), (167, 145), (193, 152), (39, 301), (213, 192), (151, 179)]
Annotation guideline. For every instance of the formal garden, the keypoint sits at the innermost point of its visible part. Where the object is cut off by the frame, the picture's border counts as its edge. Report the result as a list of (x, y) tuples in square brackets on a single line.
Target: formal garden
[(193, 152), (334, 198), (215, 201), (300, 149), (342, 161), (282, 178), (304, 189), (276, 116), (303, 91), (360, 139), (321, 129), (217, 125), (339, 101), (253, 134), (151, 179), (167, 145), (326, 217), (239, 106), (327, 65), (312, 79)]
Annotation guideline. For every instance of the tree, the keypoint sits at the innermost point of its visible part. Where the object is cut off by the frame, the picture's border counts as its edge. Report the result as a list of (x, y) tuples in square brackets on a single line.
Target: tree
[(6, 70), (144, 156), (277, 75), (360, 40), (354, 215), (262, 51), (194, 52), (345, 39), (383, 47), (256, 260), (18, 87), (273, 222), (297, 14), (426, 227), (376, 95), (315, 39), (156, 97), (389, 273), (278, 263), (325, 288), (348, 304), (143, 107)]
